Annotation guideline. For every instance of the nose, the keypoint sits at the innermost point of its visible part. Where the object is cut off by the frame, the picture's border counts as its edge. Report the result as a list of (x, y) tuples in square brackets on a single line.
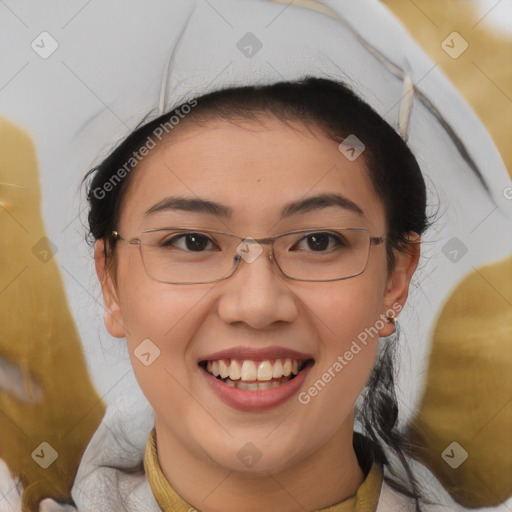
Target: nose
[(257, 294)]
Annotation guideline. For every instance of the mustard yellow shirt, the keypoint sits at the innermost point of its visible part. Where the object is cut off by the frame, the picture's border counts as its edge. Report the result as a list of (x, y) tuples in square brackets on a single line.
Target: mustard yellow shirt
[(365, 499)]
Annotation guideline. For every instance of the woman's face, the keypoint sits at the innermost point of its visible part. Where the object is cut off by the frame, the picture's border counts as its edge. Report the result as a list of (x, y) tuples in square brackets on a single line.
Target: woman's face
[(255, 171)]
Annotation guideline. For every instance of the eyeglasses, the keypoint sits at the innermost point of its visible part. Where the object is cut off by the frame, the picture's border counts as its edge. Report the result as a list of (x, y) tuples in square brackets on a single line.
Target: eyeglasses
[(184, 255)]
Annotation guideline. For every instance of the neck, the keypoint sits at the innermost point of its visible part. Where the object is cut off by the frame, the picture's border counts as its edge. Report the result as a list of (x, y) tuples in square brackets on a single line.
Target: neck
[(325, 477)]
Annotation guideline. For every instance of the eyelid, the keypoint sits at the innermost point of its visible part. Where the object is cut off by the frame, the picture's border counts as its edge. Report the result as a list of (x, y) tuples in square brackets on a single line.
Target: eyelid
[(337, 238), (181, 236), (212, 232), (174, 234), (185, 229)]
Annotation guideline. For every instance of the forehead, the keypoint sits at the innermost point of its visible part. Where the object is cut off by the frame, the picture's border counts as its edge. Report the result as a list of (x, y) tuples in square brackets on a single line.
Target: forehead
[(252, 167)]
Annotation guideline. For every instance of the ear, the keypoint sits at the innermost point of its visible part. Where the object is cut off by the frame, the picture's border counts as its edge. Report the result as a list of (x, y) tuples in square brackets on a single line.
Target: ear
[(397, 287), (112, 316)]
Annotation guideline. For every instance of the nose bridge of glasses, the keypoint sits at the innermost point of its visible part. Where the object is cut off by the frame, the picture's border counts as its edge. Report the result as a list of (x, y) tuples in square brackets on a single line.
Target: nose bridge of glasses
[(244, 243)]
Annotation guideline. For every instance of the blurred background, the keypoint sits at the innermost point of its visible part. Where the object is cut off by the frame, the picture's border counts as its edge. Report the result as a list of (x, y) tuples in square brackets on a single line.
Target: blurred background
[(483, 73)]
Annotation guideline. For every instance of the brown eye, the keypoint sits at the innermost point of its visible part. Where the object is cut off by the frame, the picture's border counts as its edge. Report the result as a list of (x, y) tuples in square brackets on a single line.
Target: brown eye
[(189, 241), (319, 242)]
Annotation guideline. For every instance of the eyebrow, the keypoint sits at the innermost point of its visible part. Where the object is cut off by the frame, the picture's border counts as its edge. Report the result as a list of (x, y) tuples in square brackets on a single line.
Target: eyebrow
[(308, 204)]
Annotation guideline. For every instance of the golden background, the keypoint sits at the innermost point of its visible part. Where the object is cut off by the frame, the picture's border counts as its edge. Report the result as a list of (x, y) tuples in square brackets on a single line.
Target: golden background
[(483, 73)]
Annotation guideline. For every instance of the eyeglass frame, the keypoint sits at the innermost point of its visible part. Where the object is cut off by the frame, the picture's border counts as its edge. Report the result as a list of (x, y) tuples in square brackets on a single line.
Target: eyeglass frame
[(374, 240)]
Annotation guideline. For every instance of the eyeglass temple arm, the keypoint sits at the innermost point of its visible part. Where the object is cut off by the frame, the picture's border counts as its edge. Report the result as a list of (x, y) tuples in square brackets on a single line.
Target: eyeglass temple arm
[(116, 236)]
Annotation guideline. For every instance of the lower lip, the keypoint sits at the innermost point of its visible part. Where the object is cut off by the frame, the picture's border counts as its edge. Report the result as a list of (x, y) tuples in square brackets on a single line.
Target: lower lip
[(258, 400)]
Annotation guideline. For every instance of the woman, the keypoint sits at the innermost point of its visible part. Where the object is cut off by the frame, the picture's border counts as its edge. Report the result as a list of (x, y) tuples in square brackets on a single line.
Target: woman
[(254, 368)]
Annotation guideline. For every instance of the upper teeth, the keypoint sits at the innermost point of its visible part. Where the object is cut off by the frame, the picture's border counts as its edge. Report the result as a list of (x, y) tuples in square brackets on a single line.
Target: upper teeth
[(249, 370)]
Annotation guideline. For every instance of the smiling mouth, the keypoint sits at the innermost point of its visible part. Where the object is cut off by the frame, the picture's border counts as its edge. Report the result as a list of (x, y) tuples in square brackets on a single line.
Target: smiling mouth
[(255, 375)]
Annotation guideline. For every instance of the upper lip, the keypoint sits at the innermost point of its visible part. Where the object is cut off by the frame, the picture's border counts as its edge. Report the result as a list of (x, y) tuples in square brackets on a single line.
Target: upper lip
[(256, 354)]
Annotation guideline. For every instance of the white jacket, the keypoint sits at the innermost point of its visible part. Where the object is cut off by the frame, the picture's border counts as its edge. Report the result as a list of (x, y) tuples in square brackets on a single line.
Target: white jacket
[(138, 495), (101, 489)]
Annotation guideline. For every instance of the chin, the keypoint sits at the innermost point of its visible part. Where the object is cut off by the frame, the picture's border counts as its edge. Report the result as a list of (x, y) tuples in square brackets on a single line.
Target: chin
[(255, 458)]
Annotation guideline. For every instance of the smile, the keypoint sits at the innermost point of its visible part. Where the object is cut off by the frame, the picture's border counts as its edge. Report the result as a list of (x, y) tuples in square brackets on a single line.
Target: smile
[(248, 370), (250, 385)]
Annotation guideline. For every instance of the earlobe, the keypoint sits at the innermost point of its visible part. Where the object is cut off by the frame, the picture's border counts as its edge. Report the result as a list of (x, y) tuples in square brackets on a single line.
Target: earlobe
[(397, 287), (112, 316)]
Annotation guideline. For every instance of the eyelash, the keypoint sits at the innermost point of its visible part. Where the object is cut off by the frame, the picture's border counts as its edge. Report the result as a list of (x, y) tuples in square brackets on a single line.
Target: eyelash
[(339, 241), (167, 242)]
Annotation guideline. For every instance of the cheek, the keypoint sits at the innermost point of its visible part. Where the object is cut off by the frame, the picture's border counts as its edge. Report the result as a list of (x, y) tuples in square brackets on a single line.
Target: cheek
[(344, 315), (158, 316), (350, 348), (160, 321), (345, 309), (166, 314), (149, 308)]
